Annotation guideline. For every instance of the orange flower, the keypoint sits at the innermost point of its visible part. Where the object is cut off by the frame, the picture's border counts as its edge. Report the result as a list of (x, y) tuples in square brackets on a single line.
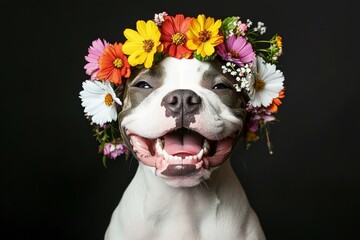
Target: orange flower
[(113, 64), (276, 102), (251, 136), (173, 33), (278, 41)]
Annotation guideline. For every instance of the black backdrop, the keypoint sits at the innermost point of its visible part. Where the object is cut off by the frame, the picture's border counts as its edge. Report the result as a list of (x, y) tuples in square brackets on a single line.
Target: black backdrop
[(53, 184)]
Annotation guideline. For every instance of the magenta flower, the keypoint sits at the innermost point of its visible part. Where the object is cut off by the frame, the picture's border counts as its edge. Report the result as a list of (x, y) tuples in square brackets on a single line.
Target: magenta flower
[(114, 150), (257, 115), (94, 53), (236, 50)]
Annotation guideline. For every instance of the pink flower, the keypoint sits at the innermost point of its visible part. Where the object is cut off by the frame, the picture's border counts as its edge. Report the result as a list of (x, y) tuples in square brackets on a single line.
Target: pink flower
[(159, 18), (114, 150), (242, 27), (236, 50), (94, 53), (257, 116)]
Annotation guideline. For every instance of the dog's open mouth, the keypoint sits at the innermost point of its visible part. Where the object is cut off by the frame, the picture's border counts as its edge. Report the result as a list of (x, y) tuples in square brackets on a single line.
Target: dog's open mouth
[(182, 152)]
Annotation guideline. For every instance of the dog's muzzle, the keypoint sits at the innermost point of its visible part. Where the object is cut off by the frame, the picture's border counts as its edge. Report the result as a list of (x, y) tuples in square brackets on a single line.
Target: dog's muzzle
[(181, 151)]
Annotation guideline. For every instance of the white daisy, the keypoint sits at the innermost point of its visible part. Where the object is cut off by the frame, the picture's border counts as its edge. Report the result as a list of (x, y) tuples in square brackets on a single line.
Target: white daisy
[(99, 100), (266, 83)]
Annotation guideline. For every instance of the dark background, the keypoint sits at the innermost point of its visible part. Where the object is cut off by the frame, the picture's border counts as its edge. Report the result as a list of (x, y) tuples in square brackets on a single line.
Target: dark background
[(53, 184)]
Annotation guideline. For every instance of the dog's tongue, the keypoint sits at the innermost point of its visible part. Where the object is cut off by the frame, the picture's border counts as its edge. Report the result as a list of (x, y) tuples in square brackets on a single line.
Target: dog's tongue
[(182, 144)]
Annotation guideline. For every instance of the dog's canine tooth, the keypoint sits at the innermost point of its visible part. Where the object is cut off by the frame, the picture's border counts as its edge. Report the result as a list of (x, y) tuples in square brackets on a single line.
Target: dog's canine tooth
[(206, 146), (200, 154), (159, 143), (159, 147)]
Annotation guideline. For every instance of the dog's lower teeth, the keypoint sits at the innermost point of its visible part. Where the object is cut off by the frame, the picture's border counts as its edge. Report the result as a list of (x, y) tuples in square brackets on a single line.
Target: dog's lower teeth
[(200, 154)]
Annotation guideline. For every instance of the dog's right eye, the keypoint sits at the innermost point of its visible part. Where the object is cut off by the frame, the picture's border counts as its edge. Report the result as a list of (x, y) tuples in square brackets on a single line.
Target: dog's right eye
[(143, 84)]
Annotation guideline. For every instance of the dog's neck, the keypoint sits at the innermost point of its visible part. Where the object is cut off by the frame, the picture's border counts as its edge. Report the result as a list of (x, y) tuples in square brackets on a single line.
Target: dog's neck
[(204, 196)]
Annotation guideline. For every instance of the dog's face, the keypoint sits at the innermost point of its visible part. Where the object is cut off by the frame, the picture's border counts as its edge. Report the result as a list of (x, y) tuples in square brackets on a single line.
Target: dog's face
[(182, 118)]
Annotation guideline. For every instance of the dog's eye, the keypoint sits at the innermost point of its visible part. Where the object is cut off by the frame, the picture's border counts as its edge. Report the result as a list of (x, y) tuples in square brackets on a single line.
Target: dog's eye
[(142, 84), (220, 86)]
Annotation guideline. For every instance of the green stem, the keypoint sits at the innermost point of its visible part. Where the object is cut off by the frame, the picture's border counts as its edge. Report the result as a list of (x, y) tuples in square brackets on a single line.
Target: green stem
[(268, 140), (262, 50), (263, 41)]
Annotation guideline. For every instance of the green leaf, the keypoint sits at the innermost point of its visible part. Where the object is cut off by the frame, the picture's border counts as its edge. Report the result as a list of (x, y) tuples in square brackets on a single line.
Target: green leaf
[(206, 58), (104, 161), (158, 56), (228, 24)]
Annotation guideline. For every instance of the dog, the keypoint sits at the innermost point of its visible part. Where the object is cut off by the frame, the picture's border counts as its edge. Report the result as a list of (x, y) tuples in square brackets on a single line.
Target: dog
[(181, 119)]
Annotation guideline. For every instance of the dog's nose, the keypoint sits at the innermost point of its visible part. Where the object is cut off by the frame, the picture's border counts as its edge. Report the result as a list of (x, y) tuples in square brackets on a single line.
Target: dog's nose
[(182, 101)]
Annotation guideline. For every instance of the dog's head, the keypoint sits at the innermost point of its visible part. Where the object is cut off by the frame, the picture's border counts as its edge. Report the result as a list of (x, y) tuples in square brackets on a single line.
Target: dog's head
[(182, 118)]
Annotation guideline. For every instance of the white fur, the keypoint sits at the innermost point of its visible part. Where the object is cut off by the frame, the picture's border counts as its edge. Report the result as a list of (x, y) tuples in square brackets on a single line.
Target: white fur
[(217, 208), (151, 209)]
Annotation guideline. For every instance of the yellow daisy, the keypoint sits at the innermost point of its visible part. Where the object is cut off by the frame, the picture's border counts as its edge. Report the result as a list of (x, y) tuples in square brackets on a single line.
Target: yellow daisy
[(141, 45), (204, 35)]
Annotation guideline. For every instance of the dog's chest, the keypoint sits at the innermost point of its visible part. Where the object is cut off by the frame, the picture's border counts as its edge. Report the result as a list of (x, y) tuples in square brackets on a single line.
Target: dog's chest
[(181, 216)]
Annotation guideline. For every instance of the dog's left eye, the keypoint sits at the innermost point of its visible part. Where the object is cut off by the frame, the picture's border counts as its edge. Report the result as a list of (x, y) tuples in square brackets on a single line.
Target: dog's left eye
[(220, 86), (142, 84)]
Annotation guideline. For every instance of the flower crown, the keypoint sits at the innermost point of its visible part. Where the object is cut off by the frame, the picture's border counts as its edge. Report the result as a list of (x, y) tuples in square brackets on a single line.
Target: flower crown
[(247, 57)]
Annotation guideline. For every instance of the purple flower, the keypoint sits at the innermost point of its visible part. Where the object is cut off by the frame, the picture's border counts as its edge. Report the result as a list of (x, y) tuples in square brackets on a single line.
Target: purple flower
[(236, 50), (94, 52), (114, 150), (258, 115)]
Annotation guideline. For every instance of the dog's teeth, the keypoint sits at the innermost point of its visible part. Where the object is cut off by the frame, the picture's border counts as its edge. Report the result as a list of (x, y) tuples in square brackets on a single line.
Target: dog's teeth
[(206, 147), (199, 164), (206, 150), (177, 158), (158, 148), (159, 143), (200, 154), (206, 144), (165, 154)]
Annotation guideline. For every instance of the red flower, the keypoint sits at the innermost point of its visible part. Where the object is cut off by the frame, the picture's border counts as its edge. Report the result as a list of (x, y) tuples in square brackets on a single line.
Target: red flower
[(113, 64), (173, 34)]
